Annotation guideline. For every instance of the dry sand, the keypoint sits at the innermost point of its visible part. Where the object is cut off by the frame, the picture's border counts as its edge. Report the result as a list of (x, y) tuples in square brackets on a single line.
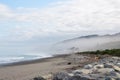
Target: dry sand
[(42, 67)]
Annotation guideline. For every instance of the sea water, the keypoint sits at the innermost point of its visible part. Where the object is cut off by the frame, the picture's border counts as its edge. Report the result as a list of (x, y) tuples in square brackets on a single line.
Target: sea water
[(5, 59)]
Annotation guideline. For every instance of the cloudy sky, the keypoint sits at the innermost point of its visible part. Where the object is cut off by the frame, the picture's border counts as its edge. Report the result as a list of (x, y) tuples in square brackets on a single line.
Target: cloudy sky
[(47, 20)]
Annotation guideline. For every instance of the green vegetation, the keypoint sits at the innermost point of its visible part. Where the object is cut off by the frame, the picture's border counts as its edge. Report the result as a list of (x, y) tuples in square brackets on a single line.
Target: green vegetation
[(113, 52)]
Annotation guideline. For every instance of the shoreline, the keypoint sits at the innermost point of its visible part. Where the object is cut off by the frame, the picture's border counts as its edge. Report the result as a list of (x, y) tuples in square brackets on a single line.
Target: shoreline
[(46, 67), (27, 70), (26, 62)]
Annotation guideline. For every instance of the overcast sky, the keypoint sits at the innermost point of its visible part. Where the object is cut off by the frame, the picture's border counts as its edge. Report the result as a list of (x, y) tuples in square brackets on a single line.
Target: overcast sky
[(25, 19), (43, 20)]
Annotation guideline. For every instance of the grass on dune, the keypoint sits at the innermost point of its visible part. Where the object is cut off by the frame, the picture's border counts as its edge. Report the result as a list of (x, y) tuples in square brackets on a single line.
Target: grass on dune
[(112, 52)]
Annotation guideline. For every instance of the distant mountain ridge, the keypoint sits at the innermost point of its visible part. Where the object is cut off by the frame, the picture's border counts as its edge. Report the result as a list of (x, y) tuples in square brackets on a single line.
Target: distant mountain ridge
[(92, 36), (88, 36), (89, 43)]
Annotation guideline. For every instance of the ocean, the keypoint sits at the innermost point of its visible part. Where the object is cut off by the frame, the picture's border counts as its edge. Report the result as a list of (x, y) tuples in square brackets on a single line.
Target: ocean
[(5, 59)]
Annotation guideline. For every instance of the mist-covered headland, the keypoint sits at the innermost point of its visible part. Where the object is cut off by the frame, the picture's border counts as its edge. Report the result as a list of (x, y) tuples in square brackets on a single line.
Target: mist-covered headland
[(87, 43)]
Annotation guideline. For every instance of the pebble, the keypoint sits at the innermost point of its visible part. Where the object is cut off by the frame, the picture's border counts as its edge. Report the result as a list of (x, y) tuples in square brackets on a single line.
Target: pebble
[(108, 65), (99, 66), (108, 78), (104, 69), (89, 66), (39, 78), (118, 64), (116, 68), (61, 76)]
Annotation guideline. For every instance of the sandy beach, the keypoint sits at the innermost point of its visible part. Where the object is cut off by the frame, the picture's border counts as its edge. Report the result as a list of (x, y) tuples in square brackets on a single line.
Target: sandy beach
[(42, 67)]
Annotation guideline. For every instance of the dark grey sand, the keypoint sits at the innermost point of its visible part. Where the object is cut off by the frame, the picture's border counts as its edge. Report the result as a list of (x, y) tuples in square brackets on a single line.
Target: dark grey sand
[(26, 70)]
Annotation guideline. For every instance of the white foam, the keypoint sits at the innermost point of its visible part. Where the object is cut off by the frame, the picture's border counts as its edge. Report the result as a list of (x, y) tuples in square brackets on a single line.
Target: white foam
[(10, 59)]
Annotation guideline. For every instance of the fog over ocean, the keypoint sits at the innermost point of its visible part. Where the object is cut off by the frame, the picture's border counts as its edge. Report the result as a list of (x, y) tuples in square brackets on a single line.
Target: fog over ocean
[(30, 50)]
